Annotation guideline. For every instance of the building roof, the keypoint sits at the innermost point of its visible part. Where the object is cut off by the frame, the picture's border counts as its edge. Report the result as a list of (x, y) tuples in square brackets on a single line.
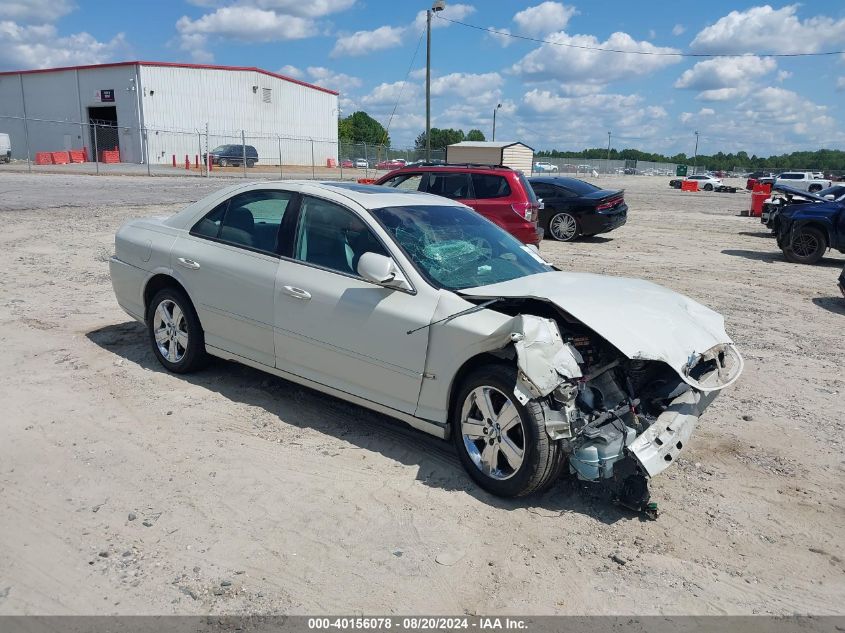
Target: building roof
[(172, 65), (489, 144)]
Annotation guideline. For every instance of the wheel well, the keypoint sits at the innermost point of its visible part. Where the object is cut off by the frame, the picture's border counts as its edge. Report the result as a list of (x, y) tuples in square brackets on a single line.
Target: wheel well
[(470, 365), (157, 283), (820, 227)]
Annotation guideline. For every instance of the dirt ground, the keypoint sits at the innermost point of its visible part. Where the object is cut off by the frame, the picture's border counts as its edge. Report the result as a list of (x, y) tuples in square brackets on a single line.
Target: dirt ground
[(128, 490)]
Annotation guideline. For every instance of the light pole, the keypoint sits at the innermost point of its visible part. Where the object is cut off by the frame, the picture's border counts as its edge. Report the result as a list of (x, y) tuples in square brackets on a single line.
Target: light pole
[(607, 166), (494, 121), (439, 5), (695, 154)]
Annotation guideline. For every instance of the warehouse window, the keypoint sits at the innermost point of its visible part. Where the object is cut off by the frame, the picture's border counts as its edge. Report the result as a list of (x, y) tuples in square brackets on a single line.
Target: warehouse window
[(267, 95)]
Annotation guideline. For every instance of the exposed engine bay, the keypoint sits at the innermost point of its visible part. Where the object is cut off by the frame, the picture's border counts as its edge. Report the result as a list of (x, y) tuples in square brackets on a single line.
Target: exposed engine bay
[(619, 418)]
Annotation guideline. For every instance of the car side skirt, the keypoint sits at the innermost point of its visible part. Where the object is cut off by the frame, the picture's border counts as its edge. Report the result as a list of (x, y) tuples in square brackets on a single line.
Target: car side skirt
[(437, 429)]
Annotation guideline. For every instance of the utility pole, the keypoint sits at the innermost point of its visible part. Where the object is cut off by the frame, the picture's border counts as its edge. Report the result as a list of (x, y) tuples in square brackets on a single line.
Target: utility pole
[(494, 121), (695, 154), (439, 5)]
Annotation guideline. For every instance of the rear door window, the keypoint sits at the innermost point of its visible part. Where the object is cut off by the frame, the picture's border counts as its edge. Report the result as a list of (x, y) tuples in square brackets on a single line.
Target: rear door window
[(406, 182), (449, 185), (490, 186)]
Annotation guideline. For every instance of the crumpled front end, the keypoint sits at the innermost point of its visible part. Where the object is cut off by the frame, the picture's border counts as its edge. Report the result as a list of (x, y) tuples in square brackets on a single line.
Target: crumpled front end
[(620, 418)]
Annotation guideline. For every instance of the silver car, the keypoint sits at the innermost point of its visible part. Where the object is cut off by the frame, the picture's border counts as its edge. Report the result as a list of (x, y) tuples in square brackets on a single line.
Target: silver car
[(416, 306)]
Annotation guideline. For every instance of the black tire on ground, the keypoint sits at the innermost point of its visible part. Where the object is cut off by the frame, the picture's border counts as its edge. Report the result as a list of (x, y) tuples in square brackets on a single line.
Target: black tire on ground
[(223, 162), (194, 356), (806, 245), (708, 187), (250, 163), (543, 458), (567, 219)]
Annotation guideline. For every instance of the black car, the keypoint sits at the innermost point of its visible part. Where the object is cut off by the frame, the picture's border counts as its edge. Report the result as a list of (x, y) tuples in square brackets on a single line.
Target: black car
[(573, 208), (226, 155)]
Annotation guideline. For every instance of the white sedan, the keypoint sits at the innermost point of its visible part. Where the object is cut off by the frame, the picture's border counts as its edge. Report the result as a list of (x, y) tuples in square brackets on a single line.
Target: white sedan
[(416, 306), (705, 182), (545, 167)]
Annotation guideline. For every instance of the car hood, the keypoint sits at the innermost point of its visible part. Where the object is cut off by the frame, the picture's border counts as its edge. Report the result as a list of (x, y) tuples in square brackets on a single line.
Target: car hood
[(797, 192), (641, 319)]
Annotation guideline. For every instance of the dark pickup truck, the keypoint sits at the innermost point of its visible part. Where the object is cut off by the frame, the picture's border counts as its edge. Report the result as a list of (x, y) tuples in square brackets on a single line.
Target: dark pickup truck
[(806, 230)]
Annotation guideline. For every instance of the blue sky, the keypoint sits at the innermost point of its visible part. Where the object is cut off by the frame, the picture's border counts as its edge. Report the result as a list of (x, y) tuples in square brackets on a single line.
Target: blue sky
[(552, 96)]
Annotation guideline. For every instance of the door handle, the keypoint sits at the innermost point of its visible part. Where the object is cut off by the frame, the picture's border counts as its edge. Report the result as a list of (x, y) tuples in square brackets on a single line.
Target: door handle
[(188, 263), (297, 293)]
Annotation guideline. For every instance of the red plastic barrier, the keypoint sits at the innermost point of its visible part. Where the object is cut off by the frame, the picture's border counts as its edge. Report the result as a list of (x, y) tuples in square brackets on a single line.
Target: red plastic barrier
[(764, 188), (689, 185), (77, 155), (757, 198), (60, 158), (331, 162), (197, 160), (187, 162), (750, 183), (43, 158), (366, 181), (110, 156), (174, 160)]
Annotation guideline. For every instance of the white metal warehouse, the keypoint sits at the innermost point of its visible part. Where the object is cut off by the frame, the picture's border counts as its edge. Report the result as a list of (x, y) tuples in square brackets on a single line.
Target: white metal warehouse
[(156, 110)]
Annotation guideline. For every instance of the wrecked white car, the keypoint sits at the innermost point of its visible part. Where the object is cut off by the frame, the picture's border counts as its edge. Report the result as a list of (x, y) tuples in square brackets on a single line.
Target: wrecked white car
[(418, 307)]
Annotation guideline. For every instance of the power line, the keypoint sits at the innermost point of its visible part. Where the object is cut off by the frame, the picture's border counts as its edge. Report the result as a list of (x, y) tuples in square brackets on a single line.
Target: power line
[(404, 81), (615, 50)]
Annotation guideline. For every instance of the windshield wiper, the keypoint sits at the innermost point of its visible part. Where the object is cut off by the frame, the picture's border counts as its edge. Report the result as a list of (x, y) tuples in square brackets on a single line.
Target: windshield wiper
[(476, 308)]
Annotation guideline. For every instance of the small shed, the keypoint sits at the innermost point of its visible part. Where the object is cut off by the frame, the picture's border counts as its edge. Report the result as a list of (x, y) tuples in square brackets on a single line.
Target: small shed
[(508, 153)]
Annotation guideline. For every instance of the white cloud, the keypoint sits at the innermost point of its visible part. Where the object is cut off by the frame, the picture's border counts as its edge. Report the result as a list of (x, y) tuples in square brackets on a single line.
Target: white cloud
[(678, 29), (840, 83), (544, 18), (725, 72), (562, 63), (40, 11), (783, 75), (469, 86), (340, 82), (308, 9), (706, 112), (452, 12), (41, 46), (501, 36), (723, 94), (386, 94), (366, 42), (247, 24), (768, 29), (291, 71)]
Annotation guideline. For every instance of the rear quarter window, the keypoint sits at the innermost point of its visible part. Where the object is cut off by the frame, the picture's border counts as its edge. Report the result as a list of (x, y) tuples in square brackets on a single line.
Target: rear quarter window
[(490, 186)]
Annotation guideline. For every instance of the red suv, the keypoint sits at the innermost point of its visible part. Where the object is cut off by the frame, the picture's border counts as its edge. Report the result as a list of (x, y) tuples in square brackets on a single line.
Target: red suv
[(500, 194)]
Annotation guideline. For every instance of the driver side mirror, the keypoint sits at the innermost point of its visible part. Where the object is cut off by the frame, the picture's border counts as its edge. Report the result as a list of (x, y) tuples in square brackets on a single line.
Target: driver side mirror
[(830, 196), (382, 270)]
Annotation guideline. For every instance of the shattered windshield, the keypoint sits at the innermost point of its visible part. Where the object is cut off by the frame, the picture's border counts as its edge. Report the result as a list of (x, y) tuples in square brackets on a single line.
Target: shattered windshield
[(456, 248)]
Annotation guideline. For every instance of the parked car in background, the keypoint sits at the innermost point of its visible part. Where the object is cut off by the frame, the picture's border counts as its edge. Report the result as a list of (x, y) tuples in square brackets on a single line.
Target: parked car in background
[(393, 163), (803, 180), (542, 167), (805, 231), (573, 208), (705, 182), (500, 194), (5, 148), (347, 163), (362, 163), (417, 307), (234, 155)]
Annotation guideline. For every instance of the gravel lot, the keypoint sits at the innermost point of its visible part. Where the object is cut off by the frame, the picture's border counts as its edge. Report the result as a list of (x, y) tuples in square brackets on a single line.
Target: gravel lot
[(124, 489)]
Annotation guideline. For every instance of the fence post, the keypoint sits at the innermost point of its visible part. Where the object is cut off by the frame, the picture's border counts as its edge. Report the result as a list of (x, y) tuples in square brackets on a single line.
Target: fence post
[(280, 158), (199, 147), (96, 151), (207, 154), (313, 176), (147, 151), (243, 152), (366, 158)]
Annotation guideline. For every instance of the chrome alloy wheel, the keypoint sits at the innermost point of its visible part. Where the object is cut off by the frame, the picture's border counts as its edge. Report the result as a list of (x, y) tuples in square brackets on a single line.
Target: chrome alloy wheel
[(493, 433), (563, 227), (171, 331)]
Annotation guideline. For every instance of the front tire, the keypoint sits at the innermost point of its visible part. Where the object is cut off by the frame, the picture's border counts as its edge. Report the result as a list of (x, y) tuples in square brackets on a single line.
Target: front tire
[(502, 444), (223, 162), (563, 227), (250, 163), (175, 332), (806, 245), (708, 187)]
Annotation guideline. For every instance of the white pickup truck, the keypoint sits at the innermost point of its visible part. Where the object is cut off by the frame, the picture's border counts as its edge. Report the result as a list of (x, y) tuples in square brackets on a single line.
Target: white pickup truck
[(803, 180)]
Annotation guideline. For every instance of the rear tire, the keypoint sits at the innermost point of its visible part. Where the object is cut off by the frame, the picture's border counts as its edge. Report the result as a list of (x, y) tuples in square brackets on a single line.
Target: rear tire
[(563, 227), (814, 188), (503, 445), (175, 332), (223, 162), (806, 245)]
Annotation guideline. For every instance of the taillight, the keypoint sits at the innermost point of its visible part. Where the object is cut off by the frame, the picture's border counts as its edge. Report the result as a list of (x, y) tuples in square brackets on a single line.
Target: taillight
[(524, 210), (609, 204)]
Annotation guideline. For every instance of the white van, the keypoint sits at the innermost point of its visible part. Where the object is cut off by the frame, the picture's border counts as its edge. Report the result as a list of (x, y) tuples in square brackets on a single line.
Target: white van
[(5, 148)]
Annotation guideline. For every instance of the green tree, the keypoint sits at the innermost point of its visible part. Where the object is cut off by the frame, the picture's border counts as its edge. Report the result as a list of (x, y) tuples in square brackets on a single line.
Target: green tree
[(440, 138), (475, 135), (360, 127)]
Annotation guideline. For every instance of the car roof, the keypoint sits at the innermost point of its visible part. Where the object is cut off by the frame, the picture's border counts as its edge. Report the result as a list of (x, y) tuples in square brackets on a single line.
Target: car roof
[(460, 168), (557, 180)]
